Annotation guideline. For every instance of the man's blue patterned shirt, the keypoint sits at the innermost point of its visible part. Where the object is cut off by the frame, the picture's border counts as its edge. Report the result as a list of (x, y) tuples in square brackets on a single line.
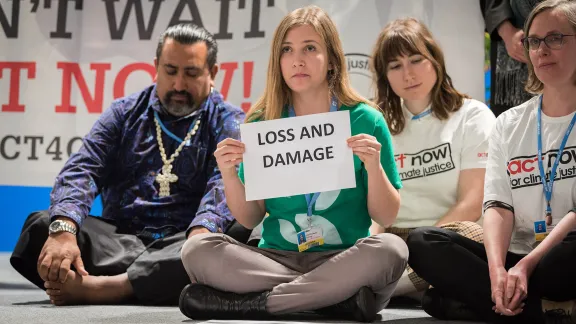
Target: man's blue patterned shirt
[(120, 159)]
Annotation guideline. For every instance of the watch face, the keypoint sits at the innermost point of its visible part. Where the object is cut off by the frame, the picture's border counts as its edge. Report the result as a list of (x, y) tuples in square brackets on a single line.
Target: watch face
[(54, 226)]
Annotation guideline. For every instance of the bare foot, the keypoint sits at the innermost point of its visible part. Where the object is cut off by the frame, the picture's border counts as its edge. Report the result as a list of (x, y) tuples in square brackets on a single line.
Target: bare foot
[(89, 290), (53, 291)]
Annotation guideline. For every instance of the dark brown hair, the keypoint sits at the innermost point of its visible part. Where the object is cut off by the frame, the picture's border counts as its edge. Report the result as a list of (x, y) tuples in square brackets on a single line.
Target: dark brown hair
[(405, 37)]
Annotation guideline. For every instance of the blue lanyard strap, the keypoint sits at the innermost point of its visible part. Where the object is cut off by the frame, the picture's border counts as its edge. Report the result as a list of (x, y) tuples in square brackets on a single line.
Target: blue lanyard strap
[(192, 124), (333, 107), (422, 114), (311, 198), (169, 133), (310, 201), (549, 185)]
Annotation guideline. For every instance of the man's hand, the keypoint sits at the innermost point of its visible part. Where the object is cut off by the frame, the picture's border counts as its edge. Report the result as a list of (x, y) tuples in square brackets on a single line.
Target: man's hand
[(512, 38), (59, 252), (198, 230)]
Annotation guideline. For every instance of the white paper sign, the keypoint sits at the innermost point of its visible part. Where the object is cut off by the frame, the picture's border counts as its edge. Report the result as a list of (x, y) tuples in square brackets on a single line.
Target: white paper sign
[(298, 155)]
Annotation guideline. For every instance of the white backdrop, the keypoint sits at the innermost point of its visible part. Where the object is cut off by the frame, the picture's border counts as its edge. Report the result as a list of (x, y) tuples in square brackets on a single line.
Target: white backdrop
[(63, 61)]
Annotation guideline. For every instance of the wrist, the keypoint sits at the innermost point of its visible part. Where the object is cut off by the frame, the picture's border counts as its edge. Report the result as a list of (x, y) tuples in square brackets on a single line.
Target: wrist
[(61, 225), (229, 173), (528, 262), (198, 227), (374, 168), (495, 266), (67, 220), (197, 230), (506, 30), (63, 236)]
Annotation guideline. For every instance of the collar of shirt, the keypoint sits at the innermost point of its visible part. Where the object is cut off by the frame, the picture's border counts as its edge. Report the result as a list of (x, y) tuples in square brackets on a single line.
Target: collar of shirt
[(408, 115)]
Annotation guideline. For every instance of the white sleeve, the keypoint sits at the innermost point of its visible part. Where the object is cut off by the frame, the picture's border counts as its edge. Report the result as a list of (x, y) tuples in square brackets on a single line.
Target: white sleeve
[(477, 129), (496, 182)]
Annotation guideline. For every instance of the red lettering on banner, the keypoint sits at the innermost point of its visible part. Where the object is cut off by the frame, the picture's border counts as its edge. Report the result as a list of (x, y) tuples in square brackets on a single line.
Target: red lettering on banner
[(248, 72), (93, 97), (229, 68), (14, 87), (120, 82), (93, 103)]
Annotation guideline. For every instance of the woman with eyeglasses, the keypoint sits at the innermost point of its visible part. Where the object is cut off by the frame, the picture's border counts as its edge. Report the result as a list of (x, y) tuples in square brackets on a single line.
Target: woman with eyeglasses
[(525, 270)]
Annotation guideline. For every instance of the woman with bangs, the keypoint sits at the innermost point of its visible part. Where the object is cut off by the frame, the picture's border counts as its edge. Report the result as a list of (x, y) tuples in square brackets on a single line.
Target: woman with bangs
[(439, 135), (351, 275), (524, 271)]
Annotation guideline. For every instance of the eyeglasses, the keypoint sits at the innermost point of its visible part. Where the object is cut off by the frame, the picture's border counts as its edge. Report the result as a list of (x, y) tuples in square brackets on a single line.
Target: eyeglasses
[(553, 41)]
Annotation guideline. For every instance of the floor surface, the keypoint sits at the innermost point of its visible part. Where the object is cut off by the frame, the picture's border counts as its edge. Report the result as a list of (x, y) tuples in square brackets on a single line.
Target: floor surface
[(21, 302)]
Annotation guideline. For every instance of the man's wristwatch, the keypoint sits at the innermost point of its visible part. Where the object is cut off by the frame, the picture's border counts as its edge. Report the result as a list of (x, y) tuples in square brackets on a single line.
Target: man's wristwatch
[(58, 226)]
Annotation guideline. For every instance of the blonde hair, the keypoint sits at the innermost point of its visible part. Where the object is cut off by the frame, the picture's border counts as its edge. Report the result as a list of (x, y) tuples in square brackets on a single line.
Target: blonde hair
[(568, 8), (277, 94), (409, 36)]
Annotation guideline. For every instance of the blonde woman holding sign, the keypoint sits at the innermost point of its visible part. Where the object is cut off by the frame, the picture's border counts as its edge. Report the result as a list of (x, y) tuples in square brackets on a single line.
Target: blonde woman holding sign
[(341, 270)]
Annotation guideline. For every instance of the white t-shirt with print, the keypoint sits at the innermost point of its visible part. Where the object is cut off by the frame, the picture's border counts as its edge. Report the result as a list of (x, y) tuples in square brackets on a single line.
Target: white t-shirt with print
[(513, 176), (429, 155)]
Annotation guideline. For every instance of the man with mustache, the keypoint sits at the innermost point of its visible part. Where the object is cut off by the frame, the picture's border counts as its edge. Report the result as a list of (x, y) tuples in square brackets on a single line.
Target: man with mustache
[(150, 156)]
